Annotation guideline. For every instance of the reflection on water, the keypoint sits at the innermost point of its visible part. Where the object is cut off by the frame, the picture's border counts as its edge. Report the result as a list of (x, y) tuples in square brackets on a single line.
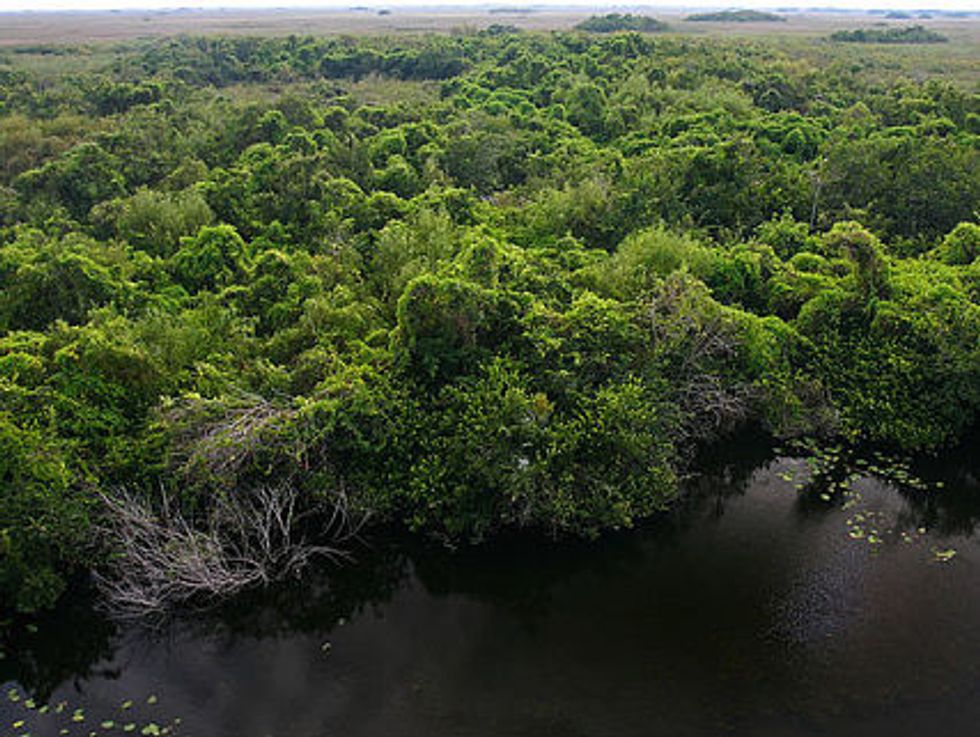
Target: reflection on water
[(748, 609)]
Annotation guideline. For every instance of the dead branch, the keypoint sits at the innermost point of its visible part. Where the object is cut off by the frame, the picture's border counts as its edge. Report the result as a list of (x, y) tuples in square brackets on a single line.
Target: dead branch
[(163, 559)]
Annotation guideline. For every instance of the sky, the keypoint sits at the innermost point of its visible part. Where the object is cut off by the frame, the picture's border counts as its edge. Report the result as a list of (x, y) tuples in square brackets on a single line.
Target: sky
[(11, 5)]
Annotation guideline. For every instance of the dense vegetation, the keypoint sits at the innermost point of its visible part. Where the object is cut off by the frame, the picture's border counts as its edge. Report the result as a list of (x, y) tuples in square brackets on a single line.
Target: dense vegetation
[(907, 35), (738, 16), (490, 279), (621, 22)]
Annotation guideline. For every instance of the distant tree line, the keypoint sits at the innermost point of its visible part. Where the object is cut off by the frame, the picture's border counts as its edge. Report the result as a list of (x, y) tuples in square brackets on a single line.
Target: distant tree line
[(908, 35), (621, 22), (738, 16)]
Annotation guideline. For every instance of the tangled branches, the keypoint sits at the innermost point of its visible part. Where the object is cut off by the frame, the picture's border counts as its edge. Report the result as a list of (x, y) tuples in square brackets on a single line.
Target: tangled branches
[(713, 407), (248, 538), (699, 343), (221, 440)]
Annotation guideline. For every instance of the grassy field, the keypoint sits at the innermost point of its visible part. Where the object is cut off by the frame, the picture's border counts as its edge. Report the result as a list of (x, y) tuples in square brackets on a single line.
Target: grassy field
[(27, 28), (92, 40)]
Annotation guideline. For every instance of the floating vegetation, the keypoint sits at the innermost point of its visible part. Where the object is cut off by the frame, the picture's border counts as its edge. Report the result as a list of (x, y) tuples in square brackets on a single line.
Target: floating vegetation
[(60, 719), (830, 474)]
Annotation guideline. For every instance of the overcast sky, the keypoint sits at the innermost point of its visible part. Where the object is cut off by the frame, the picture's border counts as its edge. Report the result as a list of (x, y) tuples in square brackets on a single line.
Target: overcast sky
[(136, 4)]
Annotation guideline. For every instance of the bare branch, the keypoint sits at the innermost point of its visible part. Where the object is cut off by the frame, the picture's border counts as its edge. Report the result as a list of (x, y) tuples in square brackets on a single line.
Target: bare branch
[(248, 538)]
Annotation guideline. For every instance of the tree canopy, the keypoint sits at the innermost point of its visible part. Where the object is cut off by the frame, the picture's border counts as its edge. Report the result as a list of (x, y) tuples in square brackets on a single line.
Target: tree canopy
[(466, 282)]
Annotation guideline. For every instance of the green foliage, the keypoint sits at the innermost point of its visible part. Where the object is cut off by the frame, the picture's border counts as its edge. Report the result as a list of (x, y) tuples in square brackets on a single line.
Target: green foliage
[(646, 257), (905, 369), (156, 221), (79, 179), (499, 453), (907, 35), (43, 520), (737, 16), (916, 185), (621, 22), (48, 279), (213, 258), (961, 246), (449, 326), (787, 236), (856, 244), (472, 282)]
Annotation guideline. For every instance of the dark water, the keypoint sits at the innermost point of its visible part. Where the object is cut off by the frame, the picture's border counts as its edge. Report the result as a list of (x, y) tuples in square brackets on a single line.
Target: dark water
[(749, 610)]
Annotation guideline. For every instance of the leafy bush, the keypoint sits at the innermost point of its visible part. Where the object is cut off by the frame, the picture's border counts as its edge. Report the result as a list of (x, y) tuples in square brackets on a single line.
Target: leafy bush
[(621, 22)]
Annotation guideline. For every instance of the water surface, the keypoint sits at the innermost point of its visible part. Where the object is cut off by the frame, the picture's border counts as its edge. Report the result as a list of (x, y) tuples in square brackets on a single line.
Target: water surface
[(748, 610)]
